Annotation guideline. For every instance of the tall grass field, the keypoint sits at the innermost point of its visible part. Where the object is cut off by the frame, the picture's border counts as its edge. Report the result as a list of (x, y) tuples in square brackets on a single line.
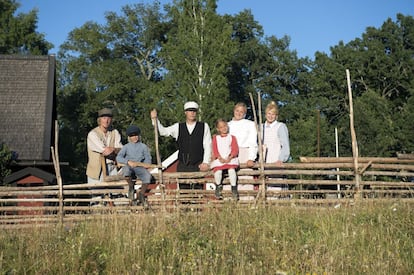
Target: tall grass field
[(365, 238)]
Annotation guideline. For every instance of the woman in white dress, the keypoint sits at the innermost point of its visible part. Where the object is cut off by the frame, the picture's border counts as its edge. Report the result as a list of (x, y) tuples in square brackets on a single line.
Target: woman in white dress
[(276, 148), (275, 137), (246, 134)]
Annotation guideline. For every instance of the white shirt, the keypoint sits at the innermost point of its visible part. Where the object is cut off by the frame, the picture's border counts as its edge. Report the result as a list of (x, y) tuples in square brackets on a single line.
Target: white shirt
[(173, 132), (95, 143), (245, 132)]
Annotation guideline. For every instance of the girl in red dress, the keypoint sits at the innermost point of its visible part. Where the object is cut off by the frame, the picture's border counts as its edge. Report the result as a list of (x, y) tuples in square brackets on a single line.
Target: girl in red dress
[(225, 152)]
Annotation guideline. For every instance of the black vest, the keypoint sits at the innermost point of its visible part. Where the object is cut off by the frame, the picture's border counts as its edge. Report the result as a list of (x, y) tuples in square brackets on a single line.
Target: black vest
[(190, 147)]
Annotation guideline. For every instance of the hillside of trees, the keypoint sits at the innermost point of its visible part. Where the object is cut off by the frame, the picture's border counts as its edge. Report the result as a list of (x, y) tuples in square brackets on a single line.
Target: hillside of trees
[(151, 56)]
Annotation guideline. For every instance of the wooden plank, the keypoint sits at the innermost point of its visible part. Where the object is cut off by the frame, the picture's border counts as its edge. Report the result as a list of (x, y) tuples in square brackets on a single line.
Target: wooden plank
[(350, 159), (405, 156)]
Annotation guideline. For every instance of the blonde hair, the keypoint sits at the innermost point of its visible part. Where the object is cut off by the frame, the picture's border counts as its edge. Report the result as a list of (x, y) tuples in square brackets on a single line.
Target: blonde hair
[(241, 104), (272, 106)]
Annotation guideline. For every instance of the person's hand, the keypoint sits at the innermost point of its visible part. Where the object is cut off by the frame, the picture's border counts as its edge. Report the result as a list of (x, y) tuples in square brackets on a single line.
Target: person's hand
[(107, 151), (250, 163), (225, 160), (279, 163), (154, 114), (204, 167)]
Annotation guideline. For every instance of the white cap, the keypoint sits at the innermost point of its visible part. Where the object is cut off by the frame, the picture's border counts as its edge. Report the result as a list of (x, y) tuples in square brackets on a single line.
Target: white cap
[(190, 105)]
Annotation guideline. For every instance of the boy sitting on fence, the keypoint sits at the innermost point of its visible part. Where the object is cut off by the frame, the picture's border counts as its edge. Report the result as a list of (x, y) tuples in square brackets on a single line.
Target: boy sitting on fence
[(136, 157)]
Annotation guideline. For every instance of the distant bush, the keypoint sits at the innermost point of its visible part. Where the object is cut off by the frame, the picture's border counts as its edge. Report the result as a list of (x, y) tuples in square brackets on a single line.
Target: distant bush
[(5, 159)]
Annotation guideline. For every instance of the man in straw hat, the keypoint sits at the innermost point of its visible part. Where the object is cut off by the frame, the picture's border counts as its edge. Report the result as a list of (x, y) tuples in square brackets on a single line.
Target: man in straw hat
[(102, 141)]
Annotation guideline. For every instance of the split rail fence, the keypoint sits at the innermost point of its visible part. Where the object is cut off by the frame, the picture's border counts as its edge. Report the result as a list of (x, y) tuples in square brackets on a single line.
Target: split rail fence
[(313, 181)]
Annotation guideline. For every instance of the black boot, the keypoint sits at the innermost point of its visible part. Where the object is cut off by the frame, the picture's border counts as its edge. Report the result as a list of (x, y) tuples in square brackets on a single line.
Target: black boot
[(143, 200), (235, 193), (219, 189), (131, 190)]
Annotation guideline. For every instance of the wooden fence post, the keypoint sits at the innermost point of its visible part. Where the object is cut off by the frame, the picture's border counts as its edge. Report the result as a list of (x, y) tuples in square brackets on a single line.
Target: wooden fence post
[(262, 192), (55, 158), (354, 139), (159, 164)]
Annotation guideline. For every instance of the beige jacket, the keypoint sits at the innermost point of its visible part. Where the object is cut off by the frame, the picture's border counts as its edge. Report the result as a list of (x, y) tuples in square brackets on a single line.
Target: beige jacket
[(94, 167)]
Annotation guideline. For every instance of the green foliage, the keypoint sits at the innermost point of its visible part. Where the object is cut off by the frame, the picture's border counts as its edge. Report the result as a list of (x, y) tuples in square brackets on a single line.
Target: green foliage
[(374, 123), (246, 64), (18, 32), (361, 239), (197, 55), (109, 65), (5, 160), (403, 120), (144, 58), (382, 79), (148, 58)]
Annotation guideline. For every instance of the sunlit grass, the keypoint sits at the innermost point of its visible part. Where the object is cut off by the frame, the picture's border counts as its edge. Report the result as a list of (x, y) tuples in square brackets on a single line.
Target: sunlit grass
[(362, 239)]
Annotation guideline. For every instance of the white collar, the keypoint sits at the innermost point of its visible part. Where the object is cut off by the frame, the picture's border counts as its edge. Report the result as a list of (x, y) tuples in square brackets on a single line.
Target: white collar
[(271, 124)]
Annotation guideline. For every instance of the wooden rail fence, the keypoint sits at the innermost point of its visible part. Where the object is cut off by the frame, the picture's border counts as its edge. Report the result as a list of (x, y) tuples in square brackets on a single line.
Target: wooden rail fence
[(312, 181)]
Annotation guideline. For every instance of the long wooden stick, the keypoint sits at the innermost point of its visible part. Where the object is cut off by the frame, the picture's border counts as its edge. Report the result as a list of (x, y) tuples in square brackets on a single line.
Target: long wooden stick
[(157, 150), (55, 158), (261, 193), (260, 131), (139, 164), (159, 163), (260, 137), (353, 135)]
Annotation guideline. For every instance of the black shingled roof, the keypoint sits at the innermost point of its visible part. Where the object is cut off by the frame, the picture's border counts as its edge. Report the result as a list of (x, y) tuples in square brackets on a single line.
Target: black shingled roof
[(48, 178), (27, 105)]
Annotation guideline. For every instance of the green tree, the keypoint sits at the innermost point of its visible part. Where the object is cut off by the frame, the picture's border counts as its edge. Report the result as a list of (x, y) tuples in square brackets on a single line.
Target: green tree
[(5, 160), (380, 64), (373, 120), (248, 62), (18, 33), (143, 59), (110, 65), (197, 57)]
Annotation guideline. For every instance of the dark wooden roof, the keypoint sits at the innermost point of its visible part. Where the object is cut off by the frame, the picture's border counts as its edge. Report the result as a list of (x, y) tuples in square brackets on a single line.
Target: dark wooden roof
[(30, 171), (27, 105)]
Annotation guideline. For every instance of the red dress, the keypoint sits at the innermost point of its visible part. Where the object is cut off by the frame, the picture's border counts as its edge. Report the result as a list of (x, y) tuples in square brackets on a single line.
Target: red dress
[(224, 146)]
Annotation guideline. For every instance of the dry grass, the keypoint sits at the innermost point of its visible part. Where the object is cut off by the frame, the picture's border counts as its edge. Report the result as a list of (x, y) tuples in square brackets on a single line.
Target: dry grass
[(362, 239)]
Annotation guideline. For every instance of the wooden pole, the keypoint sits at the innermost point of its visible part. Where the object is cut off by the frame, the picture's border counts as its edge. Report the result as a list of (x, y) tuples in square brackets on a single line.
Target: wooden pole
[(318, 133), (159, 163), (261, 155), (353, 136), (338, 186), (261, 193), (55, 158)]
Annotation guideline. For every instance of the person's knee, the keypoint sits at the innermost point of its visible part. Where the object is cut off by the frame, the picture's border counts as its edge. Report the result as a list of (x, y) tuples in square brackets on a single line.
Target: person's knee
[(146, 178), (144, 188), (127, 171)]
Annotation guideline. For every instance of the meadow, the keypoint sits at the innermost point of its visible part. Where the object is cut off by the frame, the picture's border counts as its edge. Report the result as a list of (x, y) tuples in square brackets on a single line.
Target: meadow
[(364, 238)]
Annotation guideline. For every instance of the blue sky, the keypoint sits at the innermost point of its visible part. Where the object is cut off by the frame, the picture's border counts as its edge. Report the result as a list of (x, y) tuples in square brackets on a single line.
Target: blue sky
[(312, 25)]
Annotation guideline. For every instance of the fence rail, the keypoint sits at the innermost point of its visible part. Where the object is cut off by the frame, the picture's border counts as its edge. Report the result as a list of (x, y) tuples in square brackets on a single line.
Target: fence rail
[(313, 181)]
